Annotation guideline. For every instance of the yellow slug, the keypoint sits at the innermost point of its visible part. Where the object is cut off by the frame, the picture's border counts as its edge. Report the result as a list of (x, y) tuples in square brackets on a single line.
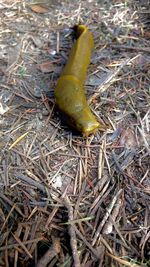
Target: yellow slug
[(69, 92)]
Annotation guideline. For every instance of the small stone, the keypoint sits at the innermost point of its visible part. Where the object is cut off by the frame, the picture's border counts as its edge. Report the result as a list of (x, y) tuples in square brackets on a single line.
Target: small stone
[(37, 92), (45, 112)]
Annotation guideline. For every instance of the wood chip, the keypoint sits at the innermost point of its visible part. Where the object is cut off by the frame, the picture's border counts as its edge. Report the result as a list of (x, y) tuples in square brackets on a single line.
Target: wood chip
[(46, 67), (39, 9)]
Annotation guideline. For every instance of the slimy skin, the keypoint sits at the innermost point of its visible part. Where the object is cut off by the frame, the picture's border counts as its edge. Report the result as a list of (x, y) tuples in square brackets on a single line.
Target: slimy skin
[(69, 92)]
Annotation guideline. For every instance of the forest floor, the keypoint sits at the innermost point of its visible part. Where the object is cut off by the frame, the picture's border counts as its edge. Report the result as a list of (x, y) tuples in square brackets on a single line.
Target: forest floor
[(66, 200)]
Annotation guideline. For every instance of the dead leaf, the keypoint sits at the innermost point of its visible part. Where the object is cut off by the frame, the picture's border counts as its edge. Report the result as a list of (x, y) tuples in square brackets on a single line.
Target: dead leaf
[(141, 60), (128, 139), (39, 9), (147, 35), (46, 67)]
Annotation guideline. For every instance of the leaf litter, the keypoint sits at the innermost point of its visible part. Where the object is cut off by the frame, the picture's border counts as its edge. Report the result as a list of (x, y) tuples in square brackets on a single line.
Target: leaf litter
[(66, 200)]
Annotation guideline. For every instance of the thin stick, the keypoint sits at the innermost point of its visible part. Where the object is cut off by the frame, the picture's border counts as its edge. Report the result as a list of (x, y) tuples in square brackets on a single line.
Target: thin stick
[(134, 48), (72, 233), (17, 244)]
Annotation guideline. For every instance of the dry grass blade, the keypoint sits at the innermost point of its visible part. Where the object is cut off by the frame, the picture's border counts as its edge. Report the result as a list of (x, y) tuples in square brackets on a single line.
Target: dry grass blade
[(11, 246), (78, 220), (6, 220), (19, 139), (94, 252), (124, 262), (109, 210), (7, 200), (22, 245)]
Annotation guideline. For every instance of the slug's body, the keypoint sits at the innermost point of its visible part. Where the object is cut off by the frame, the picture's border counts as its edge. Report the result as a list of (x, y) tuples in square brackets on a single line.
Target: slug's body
[(69, 92)]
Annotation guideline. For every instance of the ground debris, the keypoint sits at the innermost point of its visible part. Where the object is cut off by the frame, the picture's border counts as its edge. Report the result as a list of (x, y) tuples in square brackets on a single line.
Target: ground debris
[(66, 200)]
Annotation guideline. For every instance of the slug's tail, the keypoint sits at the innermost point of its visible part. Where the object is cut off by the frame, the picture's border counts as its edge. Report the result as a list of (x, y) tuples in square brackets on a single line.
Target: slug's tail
[(78, 30), (80, 54)]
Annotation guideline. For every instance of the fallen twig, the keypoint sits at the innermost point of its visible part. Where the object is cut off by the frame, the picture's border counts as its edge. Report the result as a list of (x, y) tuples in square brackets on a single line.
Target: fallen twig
[(50, 254), (134, 48), (72, 233)]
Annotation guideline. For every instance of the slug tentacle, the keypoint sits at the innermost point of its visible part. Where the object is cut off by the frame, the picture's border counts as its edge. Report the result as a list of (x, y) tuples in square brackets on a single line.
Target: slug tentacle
[(69, 92)]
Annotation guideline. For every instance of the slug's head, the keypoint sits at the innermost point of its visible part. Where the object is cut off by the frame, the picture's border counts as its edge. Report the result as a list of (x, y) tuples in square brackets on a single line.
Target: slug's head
[(90, 129), (86, 122)]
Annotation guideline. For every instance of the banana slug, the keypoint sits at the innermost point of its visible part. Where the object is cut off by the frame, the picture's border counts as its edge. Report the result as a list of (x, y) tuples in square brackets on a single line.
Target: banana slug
[(69, 92)]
